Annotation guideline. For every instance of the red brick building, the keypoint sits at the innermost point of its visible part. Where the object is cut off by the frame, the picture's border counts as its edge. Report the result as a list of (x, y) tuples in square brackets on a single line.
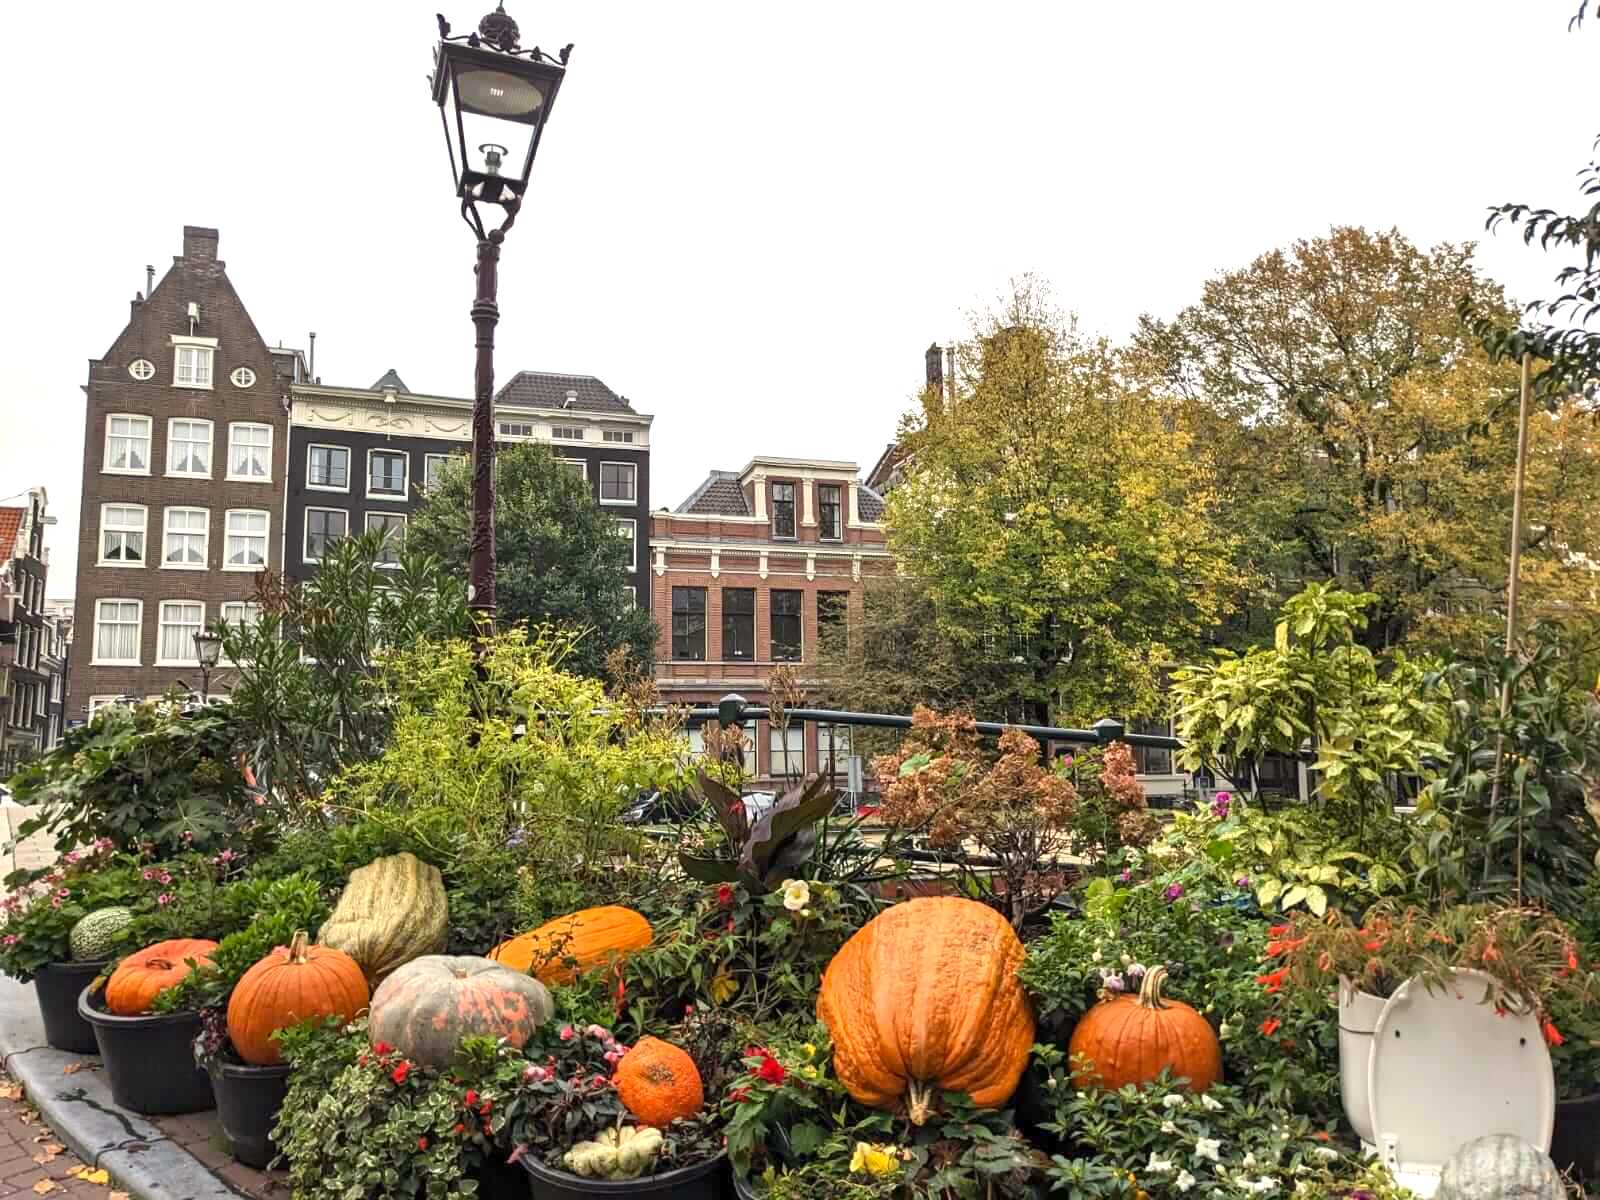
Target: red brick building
[(744, 573)]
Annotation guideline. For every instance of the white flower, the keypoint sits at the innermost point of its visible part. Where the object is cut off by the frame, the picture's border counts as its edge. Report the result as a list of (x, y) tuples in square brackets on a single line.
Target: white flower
[(1259, 1187), (1172, 1100), (1249, 1161), (1184, 1181), (796, 895), (1157, 1166), (1210, 1103), (1208, 1148), (1096, 955), (1326, 1153), (1226, 1031), (1168, 1127), (1127, 960)]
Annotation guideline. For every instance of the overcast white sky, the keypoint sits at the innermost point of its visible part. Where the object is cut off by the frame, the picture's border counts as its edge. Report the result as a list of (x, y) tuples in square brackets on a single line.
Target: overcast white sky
[(750, 218)]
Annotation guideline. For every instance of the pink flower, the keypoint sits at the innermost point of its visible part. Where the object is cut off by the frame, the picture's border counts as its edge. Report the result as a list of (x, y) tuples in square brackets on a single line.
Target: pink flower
[(163, 899), (597, 1033), (567, 1033), (148, 874), (71, 856), (535, 1074), (225, 856), (10, 939), (165, 878), (63, 893), (599, 1081), (55, 901), (613, 1057)]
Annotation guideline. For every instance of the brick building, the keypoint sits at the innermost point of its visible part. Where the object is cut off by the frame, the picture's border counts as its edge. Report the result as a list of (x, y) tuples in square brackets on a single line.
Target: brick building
[(745, 572), (183, 467), (28, 638), (363, 458)]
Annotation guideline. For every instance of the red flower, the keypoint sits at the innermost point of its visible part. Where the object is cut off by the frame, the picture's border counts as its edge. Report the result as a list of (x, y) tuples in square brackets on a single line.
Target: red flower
[(1277, 931), (1552, 1034), (458, 1127), (470, 1099), (739, 1095), (1271, 1026), (1273, 980), (1373, 947), (483, 1109), (725, 895), (771, 1070), (400, 1072), (422, 1143), (382, 1048), (1321, 1135)]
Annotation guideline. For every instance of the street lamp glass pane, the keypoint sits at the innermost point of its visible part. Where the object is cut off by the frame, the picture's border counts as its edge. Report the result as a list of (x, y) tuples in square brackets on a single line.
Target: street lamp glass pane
[(496, 94)]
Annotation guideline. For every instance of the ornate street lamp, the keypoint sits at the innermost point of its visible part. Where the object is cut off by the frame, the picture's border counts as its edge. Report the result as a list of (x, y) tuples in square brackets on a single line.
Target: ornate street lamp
[(208, 652), (494, 98)]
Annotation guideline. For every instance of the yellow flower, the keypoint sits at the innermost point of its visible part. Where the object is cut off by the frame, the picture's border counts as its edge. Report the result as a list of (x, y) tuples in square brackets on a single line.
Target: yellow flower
[(796, 895), (723, 986), (808, 1071), (808, 1050), (872, 1160)]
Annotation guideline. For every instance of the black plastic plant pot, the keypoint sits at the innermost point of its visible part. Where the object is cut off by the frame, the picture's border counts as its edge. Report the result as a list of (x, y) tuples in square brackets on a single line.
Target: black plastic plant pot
[(501, 1181), (703, 1181), (58, 986), (746, 1188), (248, 1100), (1575, 1143), (149, 1060)]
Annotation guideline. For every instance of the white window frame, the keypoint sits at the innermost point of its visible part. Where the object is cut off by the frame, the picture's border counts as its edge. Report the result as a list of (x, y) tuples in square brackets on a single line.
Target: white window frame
[(405, 476), (149, 438), (796, 743), (142, 369), (222, 619), (562, 433), (143, 531), (617, 437), (96, 703), (204, 347), (204, 535), (305, 529), (328, 487), (405, 524), (523, 431), (242, 377), (633, 597), (161, 631), (138, 633), (427, 460), (581, 463), (233, 429), (630, 503), (633, 540), (211, 442), (265, 535)]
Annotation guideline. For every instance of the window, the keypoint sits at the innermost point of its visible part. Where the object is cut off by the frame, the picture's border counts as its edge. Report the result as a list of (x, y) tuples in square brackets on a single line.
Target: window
[(243, 377), (328, 468), (626, 529), (393, 528), (127, 445), (515, 429), (193, 367), (386, 472), (250, 452), (568, 433), (142, 369), (577, 466), (618, 435), (247, 540), (833, 749), (433, 466), (116, 632), (786, 608), (241, 612), (324, 526), (787, 755), (616, 483), (96, 703), (188, 532), (189, 448), (783, 510), (1151, 760), (828, 497), (632, 598), (122, 535), (180, 621), (739, 624), (689, 623)]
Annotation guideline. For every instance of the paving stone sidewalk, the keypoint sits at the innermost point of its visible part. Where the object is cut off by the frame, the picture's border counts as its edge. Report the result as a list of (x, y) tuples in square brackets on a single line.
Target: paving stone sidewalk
[(34, 1163)]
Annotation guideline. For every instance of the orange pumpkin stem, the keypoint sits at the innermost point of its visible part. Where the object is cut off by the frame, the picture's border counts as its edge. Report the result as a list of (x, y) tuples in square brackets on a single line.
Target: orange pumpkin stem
[(1150, 990), (297, 947)]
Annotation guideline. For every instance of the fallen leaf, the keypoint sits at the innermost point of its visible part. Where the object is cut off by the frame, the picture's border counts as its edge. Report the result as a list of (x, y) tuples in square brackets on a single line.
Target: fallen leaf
[(73, 1068), (11, 1091), (91, 1175), (118, 1196), (44, 1187)]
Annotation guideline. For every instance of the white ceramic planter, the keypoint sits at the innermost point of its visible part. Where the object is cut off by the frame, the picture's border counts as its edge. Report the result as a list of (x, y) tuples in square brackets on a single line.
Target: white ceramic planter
[(1358, 1018)]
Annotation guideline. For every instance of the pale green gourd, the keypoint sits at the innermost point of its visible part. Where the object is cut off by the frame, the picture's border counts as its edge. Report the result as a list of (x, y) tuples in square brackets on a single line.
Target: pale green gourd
[(1499, 1166), (624, 1153)]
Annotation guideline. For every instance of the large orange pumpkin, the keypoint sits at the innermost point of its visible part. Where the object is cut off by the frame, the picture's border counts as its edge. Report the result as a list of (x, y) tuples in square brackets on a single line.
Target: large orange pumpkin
[(659, 1083), (1132, 1039), (924, 998), (429, 1004), (561, 950), (144, 975), (294, 983)]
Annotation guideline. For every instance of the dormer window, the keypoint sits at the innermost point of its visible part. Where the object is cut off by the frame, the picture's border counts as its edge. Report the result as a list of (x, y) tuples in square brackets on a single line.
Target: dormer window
[(192, 361), (783, 510)]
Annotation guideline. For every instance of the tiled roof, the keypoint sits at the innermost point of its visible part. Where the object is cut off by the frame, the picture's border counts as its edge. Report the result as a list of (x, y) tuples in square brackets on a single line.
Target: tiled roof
[(542, 389), (10, 523), (870, 503), (391, 379), (719, 495)]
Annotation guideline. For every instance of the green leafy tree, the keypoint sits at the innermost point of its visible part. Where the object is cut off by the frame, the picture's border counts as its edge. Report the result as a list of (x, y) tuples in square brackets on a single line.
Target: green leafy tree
[(560, 561), (1056, 517)]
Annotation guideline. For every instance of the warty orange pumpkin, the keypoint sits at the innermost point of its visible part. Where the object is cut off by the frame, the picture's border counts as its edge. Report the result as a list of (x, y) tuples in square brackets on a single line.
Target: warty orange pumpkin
[(294, 983), (1132, 1039), (145, 974), (561, 950), (659, 1083), (924, 998)]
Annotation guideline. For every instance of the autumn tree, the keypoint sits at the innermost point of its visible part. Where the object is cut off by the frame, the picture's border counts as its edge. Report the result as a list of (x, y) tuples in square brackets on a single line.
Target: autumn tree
[(1057, 519), (1365, 437)]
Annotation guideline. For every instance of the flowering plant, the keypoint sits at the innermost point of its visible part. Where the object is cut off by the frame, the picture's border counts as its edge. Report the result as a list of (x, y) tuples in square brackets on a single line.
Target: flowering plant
[(36, 920)]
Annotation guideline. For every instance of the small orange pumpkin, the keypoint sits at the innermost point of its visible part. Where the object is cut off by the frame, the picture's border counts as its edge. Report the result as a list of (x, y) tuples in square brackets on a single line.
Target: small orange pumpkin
[(1129, 1039), (659, 1083), (925, 998), (294, 983), (145, 974), (561, 950)]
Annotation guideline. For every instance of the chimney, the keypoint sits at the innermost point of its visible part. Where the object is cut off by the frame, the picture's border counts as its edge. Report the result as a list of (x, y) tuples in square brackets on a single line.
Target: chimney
[(933, 364), (149, 279), (199, 243)]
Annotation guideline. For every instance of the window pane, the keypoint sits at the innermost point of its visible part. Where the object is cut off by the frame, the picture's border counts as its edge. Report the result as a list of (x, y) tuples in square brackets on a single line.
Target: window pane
[(393, 527), (386, 473), (250, 451), (180, 621), (786, 606), (616, 481), (783, 510), (739, 624), (329, 467), (689, 623), (187, 531), (828, 497), (247, 539), (117, 630)]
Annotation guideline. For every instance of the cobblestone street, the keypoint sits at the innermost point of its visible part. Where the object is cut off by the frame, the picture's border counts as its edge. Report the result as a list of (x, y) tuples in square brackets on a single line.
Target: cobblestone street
[(34, 1163)]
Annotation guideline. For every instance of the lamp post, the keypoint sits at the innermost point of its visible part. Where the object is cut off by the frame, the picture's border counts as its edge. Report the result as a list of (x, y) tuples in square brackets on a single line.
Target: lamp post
[(494, 98), (208, 652)]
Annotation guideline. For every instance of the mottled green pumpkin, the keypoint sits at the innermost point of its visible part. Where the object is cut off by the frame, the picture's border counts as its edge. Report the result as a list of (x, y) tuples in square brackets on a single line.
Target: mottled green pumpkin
[(428, 1005), (391, 911), (96, 936), (1500, 1166)]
